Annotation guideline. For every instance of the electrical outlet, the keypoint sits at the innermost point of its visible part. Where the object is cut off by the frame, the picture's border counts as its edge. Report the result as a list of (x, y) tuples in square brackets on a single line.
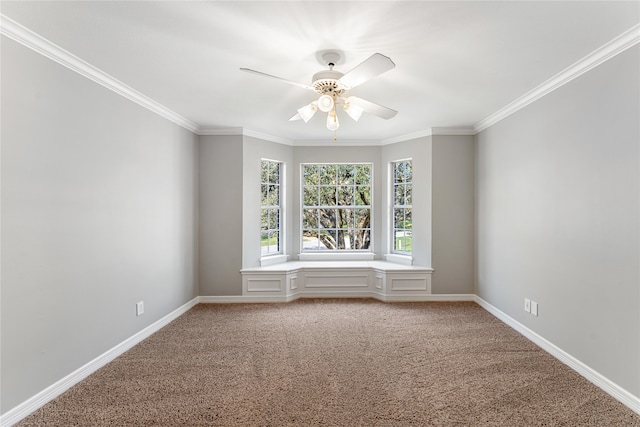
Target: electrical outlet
[(534, 308), (140, 308), (527, 305)]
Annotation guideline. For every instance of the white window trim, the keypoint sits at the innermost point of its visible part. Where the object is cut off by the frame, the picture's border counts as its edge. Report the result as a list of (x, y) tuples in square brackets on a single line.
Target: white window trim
[(336, 256), (403, 258), (281, 255), (344, 254)]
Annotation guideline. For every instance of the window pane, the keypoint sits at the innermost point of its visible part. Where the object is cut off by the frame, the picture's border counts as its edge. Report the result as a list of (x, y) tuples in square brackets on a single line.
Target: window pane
[(362, 218), (327, 196), (398, 191), (274, 242), (363, 196), (346, 174), (328, 239), (363, 174), (345, 195), (274, 172), (274, 195), (264, 171), (407, 218), (310, 218), (264, 243), (274, 219), (264, 219), (310, 195), (263, 194), (398, 218), (407, 194), (327, 218), (361, 239), (328, 174), (310, 239), (345, 218), (310, 174), (408, 172)]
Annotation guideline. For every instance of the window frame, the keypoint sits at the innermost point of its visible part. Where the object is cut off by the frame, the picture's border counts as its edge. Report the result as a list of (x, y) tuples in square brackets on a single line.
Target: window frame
[(346, 253), (270, 255), (393, 207)]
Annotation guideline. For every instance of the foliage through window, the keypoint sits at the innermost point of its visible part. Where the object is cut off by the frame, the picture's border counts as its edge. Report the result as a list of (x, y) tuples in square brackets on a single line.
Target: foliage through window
[(402, 199), (270, 218), (336, 207)]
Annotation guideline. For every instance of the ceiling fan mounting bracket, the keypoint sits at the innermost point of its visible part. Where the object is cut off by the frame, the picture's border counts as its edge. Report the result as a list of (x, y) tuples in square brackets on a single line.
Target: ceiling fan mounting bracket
[(330, 56)]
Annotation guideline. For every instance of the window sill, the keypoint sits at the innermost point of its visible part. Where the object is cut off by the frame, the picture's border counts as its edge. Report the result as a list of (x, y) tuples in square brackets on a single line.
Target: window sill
[(399, 259), (273, 259), (333, 256)]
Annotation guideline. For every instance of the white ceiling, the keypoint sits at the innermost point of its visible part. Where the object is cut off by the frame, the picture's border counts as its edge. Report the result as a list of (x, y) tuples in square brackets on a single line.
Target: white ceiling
[(456, 62)]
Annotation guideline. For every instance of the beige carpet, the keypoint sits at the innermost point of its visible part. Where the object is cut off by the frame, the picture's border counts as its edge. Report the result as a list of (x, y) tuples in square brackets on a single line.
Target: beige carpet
[(326, 362)]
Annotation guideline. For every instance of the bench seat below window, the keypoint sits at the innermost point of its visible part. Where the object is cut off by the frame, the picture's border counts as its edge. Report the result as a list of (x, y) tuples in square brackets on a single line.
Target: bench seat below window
[(384, 280)]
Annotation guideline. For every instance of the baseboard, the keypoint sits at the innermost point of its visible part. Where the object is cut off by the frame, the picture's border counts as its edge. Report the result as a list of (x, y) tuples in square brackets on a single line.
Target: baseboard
[(30, 405), (386, 298), (608, 386)]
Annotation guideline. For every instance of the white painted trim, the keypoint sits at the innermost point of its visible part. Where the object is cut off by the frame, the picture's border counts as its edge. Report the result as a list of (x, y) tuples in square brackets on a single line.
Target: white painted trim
[(399, 259), (273, 259), (408, 137), (56, 389), (31, 40), (608, 386), (618, 45), (329, 142), (336, 256), (240, 299), (465, 131)]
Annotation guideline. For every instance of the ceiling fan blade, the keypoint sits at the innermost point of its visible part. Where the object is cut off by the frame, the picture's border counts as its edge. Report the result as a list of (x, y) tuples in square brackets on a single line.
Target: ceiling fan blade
[(302, 85), (373, 108), (373, 66), (296, 117)]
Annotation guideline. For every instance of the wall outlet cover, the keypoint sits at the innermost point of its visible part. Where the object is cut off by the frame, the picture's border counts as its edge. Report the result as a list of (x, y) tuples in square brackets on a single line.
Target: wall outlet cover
[(527, 305), (139, 308), (534, 308)]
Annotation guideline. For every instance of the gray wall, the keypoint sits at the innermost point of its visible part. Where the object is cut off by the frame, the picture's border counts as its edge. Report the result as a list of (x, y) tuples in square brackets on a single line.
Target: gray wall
[(220, 237), (453, 214), (99, 199), (558, 217)]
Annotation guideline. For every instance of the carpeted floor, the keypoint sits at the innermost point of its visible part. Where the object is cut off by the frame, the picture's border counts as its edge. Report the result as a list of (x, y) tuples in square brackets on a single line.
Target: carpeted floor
[(328, 362)]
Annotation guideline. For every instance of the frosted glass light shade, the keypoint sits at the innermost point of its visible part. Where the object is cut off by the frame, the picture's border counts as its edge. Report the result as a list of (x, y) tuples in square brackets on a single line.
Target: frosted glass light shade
[(354, 111), (332, 121), (308, 111), (325, 103)]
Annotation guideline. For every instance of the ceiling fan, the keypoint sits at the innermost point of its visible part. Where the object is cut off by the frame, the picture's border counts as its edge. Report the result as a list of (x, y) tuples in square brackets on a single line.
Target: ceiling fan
[(332, 86)]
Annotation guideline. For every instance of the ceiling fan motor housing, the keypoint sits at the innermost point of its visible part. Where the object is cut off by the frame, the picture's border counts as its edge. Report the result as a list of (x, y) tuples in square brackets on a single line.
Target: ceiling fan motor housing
[(326, 82)]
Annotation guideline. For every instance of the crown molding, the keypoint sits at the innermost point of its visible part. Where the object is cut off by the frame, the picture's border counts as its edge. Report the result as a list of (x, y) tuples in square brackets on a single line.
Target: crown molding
[(211, 131), (39, 44), (338, 143), (407, 137), (442, 131), (618, 45)]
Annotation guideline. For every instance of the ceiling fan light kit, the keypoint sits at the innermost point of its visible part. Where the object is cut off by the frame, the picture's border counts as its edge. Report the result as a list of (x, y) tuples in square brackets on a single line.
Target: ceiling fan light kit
[(332, 86)]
